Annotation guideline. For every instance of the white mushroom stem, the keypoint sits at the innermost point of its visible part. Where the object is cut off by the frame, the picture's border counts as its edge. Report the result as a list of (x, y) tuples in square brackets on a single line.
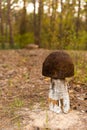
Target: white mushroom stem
[(59, 96)]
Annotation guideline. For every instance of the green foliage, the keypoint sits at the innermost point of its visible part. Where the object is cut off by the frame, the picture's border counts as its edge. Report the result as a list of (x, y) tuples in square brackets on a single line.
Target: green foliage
[(82, 40), (80, 62), (22, 40), (58, 30), (49, 33), (79, 43)]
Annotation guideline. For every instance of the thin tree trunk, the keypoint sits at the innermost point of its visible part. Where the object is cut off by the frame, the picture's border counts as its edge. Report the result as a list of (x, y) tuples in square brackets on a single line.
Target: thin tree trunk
[(49, 8), (23, 27), (61, 24), (1, 27), (78, 18), (54, 14), (11, 40), (52, 20), (40, 13), (53, 23), (86, 20), (35, 23), (86, 15)]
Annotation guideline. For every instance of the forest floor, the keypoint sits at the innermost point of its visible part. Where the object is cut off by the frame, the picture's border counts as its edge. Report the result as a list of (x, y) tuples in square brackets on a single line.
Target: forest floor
[(23, 87)]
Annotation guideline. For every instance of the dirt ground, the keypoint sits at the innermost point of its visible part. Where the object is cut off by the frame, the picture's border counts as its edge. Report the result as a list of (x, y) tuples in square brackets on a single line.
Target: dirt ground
[(23, 86)]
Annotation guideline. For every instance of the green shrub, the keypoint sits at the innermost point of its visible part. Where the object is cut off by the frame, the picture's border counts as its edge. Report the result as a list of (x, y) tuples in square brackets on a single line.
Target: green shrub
[(82, 43), (22, 40)]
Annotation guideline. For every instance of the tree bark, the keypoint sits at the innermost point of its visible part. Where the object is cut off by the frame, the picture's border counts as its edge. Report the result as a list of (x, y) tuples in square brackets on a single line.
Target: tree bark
[(23, 19), (78, 18), (35, 23), (1, 26), (86, 20), (61, 24), (38, 22), (11, 40), (86, 15), (40, 13)]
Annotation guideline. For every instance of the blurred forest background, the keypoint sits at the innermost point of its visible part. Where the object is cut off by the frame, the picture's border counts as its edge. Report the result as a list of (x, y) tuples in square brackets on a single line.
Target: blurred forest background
[(53, 24), (50, 24)]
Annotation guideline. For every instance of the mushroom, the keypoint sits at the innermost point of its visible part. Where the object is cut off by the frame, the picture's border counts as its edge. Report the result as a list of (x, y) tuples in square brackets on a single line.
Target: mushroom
[(58, 66)]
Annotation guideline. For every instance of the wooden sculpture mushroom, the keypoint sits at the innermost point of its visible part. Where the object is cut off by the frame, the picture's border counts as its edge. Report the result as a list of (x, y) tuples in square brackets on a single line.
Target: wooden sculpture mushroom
[(58, 65)]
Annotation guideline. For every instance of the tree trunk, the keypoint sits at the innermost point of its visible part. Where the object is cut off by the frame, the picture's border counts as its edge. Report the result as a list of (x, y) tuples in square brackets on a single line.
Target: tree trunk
[(86, 15), (11, 40), (49, 8), (86, 20), (1, 27), (52, 10), (52, 20), (78, 18), (35, 24), (61, 24), (23, 19), (40, 13)]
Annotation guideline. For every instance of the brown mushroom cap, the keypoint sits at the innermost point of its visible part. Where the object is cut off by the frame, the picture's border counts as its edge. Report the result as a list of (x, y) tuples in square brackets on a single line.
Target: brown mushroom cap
[(58, 65)]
